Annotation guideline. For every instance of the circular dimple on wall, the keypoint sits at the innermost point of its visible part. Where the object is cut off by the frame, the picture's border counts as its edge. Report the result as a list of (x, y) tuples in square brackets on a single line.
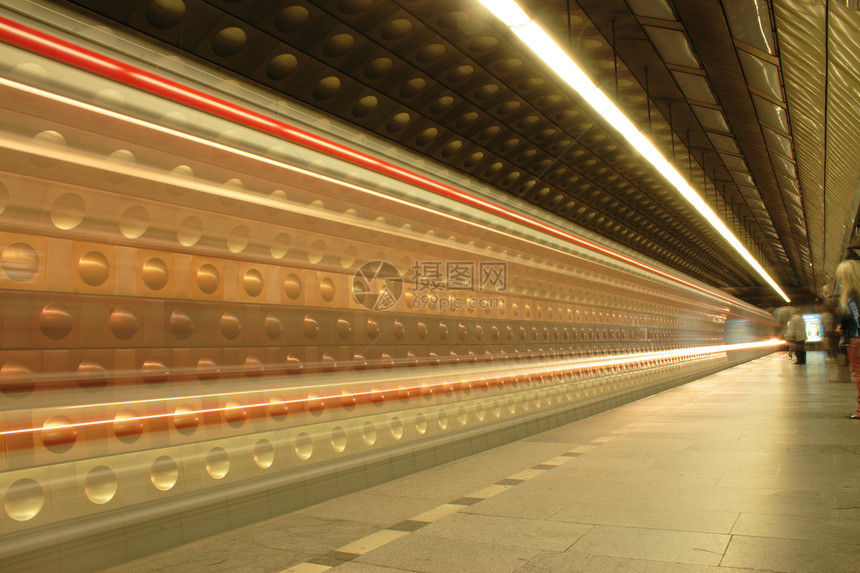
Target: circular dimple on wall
[(154, 372), (56, 321), (462, 416), (281, 66), (280, 246), (395, 29), (264, 454), (326, 88), (122, 156), (378, 68), (155, 273), (338, 439), (208, 370), (496, 409), (278, 407), (165, 14), (235, 413), (164, 473), (349, 256), (134, 222), (238, 239), (371, 328), (303, 445), (190, 231), (327, 290), (217, 463), (420, 423), (91, 374), (93, 268), (291, 18), (20, 262), (310, 327), (397, 122), (272, 326), (230, 325), (4, 197), (127, 427), (368, 433), (208, 278), (100, 485), (430, 53), (338, 45), (317, 251), (364, 106), (343, 328), (396, 428), (413, 87), (229, 41), (252, 282), (293, 286), (68, 211), (186, 419), (24, 499), (17, 378), (253, 368), (442, 419), (180, 324), (123, 322), (58, 435), (353, 6), (30, 73), (480, 412)]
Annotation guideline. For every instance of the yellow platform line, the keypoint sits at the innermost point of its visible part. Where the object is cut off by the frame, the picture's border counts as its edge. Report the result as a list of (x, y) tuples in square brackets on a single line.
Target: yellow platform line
[(306, 568)]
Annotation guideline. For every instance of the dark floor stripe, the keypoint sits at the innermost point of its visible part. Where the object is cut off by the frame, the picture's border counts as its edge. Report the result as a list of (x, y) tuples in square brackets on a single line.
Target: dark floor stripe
[(408, 525), (466, 501), (509, 481)]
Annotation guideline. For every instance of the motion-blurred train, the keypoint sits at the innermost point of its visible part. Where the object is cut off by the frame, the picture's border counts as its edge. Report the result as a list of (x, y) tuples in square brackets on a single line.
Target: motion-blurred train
[(218, 306)]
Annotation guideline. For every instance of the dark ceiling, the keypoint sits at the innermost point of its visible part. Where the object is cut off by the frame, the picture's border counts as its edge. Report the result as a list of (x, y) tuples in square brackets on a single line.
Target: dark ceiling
[(728, 90)]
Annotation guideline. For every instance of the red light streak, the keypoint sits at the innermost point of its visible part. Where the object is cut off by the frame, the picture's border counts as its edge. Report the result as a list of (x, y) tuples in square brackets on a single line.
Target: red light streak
[(55, 48)]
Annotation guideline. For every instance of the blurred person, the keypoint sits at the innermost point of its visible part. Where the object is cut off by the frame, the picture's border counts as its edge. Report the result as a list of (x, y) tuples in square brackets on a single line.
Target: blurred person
[(795, 334), (831, 337), (848, 273)]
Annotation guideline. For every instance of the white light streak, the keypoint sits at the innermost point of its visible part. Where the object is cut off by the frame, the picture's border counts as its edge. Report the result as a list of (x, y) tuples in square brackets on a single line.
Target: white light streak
[(533, 36)]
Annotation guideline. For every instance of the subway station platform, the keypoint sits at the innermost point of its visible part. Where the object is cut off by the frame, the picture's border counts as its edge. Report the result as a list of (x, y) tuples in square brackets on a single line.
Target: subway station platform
[(755, 468)]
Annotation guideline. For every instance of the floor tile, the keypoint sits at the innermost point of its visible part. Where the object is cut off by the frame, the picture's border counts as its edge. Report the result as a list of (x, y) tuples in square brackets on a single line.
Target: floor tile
[(508, 531), (792, 556), (654, 545), (430, 554)]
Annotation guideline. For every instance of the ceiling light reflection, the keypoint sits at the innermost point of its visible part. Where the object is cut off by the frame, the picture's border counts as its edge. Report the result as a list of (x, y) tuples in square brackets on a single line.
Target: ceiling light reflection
[(554, 56)]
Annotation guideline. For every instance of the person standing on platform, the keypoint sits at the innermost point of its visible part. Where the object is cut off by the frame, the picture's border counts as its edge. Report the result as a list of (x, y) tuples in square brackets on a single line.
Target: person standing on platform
[(831, 338), (795, 334), (831, 316), (848, 273)]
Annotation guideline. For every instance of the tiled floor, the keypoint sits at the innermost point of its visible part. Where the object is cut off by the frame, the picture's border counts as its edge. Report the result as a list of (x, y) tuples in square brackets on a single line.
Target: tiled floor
[(755, 468)]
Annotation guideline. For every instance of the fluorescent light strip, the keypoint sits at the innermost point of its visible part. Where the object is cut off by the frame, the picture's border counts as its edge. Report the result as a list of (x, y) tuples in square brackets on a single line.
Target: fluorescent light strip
[(561, 63)]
